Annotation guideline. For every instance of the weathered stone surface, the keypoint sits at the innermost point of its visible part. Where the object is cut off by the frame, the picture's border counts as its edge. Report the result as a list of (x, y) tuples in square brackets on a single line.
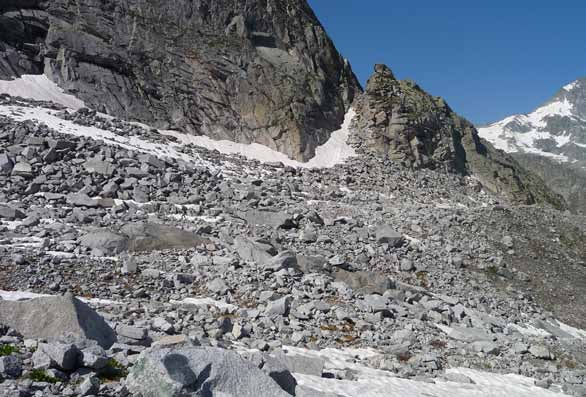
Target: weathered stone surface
[(143, 236), (399, 121), (107, 242), (54, 318), (245, 71), (191, 371)]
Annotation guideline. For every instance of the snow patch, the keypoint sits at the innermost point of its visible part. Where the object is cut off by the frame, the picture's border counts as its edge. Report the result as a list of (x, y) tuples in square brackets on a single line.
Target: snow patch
[(371, 382), (39, 88), (26, 295), (335, 151), (571, 86), (206, 302)]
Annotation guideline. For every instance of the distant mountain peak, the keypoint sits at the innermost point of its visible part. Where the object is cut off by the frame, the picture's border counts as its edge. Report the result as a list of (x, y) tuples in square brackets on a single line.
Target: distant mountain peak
[(556, 129)]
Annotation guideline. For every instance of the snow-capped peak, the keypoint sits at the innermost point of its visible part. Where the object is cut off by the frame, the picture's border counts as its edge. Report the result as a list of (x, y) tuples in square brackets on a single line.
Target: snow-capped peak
[(556, 129)]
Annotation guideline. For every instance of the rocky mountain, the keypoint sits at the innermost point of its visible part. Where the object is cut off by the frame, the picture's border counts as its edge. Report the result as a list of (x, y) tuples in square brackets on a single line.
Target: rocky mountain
[(246, 71), (407, 258), (551, 141), (402, 123)]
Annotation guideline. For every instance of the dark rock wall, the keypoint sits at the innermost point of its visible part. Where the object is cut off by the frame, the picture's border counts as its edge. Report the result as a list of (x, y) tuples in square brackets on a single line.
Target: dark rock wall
[(244, 70)]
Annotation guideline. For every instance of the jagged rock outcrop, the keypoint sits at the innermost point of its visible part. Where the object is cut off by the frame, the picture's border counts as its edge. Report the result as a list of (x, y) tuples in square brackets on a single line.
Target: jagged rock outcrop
[(241, 70), (400, 122)]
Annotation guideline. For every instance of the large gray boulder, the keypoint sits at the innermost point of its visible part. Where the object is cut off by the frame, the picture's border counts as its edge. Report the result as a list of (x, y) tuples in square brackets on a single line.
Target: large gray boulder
[(153, 236), (56, 318), (141, 237), (105, 241), (198, 371), (259, 251)]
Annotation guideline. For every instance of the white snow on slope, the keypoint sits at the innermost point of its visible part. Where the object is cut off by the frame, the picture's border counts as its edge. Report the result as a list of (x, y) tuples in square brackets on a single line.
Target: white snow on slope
[(25, 295), (334, 151), (571, 86), (47, 116), (40, 88), (509, 141), (377, 383)]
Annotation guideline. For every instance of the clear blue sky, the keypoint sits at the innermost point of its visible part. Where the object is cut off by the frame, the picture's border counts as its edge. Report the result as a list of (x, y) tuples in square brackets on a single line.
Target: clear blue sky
[(489, 59)]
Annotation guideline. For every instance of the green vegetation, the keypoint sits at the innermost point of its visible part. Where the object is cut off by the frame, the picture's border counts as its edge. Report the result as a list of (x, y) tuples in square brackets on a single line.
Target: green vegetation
[(113, 371), (39, 375), (7, 350)]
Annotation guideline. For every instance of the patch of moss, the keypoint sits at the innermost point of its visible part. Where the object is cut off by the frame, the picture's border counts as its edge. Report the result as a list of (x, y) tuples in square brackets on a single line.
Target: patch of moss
[(7, 350), (39, 375), (113, 371)]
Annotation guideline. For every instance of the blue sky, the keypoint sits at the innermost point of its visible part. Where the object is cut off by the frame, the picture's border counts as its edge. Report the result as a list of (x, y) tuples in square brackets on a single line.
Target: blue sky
[(489, 59)]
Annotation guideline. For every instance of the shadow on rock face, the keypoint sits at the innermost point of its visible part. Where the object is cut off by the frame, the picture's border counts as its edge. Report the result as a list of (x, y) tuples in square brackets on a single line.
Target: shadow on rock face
[(179, 369)]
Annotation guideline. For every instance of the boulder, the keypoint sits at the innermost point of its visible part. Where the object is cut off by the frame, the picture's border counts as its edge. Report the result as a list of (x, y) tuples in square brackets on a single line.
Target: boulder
[(144, 237), (54, 318), (250, 250), (9, 213), (364, 282), (385, 234), (105, 241), (198, 371), (273, 219)]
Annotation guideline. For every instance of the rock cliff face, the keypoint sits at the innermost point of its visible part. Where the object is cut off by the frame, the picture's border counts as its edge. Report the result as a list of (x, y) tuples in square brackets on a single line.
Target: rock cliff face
[(400, 122), (243, 70)]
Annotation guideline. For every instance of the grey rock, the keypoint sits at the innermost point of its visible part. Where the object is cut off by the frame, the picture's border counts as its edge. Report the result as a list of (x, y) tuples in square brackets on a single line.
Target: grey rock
[(279, 307), (258, 251), (541, 351), (108, 242), (9, 213), (365, 282), (63, 356), (54, 318), (385, 234), (10, 366), (89, 386), (128, 331), (191, 371), (6, 163)]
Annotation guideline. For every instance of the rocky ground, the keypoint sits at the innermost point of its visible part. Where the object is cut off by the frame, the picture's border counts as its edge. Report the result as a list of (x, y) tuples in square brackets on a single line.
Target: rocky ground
[(252, 261)]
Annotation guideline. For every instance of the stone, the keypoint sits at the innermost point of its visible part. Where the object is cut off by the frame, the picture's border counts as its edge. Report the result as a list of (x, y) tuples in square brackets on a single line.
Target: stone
[(94, 166), (469, 335), (89, 386), (10, 366), (385, 234), (147, 236), (63, 356), (192, 371), (283, 260), (23, 169), (541, 352), (54, 318), (9, 213), (6, 164), (250, 250), (129, 265), (364, 282), (273, 219), (218, 286), (107, 242), (94, 357), (279, 307), (128, 331)]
